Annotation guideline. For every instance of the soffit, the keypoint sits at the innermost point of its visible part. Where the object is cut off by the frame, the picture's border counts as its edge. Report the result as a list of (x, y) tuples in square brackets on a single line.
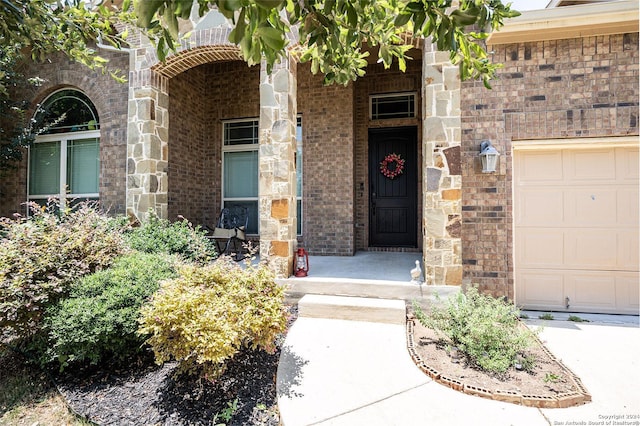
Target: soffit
[(616, 17)]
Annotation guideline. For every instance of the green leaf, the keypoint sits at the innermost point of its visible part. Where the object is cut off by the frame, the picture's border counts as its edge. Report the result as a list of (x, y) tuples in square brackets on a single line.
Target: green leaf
[(239, 30), (245, 47), (415, 7), (145, 11), (183, 8), (352, 16), (463, 19), (268, 4), (402, 19), (402, 64), (418, 22), (385, 55), (272, 37), (328, 6)]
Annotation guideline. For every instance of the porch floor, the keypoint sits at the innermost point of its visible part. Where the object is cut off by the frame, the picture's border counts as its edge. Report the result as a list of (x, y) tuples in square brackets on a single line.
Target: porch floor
[(366, 274), (365, 265)]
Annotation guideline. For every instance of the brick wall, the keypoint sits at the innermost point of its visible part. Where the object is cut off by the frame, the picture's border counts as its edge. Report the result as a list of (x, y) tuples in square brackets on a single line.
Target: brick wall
[(110, 99), (582, 87), (13, 190), (187, 172), (200, 99), (328, 165)]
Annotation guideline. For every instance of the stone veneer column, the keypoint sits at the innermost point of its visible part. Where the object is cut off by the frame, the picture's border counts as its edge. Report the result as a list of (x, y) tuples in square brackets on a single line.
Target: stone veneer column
[(277, 170), (442, 181), (147, 141)]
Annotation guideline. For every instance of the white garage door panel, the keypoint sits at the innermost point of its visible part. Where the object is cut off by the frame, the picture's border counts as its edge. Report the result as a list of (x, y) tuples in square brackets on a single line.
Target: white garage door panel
[(628, 205), (628, 166), (538, 207), (541, 288), (576, 227), (540, 248), (592, 165), (628, 292), (540, 167), (590, 206), (590, 249), (591, 290), (628, 250)]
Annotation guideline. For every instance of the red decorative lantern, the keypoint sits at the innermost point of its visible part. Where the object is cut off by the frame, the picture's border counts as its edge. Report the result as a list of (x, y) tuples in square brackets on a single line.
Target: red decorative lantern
[(302, 262)]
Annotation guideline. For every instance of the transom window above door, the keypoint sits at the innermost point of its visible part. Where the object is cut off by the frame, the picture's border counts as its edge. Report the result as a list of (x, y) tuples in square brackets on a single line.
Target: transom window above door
[(64, 162), (392, 105)]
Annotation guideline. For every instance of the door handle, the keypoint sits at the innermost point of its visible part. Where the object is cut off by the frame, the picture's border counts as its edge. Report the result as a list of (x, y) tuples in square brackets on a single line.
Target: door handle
[(373, 203)]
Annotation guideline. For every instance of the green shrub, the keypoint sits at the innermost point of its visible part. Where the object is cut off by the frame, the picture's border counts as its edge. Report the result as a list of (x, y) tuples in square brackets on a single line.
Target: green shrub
[(99, 319), (209, 313), (40, 257), (484, 328), (576, 318), (161, 236)]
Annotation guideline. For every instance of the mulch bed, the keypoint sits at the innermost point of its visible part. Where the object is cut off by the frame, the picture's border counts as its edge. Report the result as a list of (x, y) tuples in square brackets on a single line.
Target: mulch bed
[(147, 394), (157, 395), (548, 384)]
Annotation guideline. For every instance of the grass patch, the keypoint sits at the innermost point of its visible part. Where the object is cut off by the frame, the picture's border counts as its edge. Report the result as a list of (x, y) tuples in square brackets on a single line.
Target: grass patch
[(27, 397), (547, 317)]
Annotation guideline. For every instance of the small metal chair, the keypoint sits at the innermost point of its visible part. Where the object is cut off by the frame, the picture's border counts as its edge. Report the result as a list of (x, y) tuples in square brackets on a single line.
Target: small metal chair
[(230, 230)]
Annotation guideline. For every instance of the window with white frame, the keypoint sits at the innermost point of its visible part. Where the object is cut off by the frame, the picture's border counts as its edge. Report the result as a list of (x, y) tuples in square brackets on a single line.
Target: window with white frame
[(240, 169), (64, 161)]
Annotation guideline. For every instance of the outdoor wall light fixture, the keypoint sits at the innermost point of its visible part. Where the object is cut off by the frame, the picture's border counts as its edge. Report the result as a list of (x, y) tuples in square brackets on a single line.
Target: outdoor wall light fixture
[(489, 156)]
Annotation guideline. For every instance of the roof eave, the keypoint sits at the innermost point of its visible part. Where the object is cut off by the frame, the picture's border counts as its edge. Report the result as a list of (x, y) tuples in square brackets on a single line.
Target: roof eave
[(569, 22)]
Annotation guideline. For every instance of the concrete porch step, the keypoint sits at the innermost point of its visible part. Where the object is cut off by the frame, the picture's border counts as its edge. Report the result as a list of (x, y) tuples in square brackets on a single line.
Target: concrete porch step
[(383, 289), (352, 308)]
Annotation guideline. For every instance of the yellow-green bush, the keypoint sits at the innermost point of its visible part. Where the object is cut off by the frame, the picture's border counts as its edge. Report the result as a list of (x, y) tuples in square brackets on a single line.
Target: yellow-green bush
[(209, 313)]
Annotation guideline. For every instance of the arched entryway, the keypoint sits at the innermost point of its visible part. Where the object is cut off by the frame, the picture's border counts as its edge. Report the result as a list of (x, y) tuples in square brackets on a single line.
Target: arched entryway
[(186, 121)]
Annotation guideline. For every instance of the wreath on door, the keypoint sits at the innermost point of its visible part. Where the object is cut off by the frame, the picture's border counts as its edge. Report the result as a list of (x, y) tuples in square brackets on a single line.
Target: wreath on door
[(392, 166)]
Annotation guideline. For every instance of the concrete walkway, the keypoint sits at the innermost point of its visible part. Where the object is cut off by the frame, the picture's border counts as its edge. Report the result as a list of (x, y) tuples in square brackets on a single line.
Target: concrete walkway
[(340, 372)]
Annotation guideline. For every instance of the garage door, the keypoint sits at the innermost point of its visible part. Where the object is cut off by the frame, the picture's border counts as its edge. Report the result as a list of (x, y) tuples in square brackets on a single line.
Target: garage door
[(576, 228)]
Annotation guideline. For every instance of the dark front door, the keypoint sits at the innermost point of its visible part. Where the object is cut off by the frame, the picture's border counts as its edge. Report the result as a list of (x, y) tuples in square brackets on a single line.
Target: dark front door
[(393, 216)]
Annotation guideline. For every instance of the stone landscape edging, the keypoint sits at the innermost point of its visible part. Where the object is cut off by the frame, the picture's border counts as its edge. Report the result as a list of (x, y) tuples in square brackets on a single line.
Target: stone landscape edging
[(563, 400)]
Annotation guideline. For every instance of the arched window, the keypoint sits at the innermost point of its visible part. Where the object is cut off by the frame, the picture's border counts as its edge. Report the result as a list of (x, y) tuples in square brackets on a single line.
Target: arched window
[(64, 161)]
